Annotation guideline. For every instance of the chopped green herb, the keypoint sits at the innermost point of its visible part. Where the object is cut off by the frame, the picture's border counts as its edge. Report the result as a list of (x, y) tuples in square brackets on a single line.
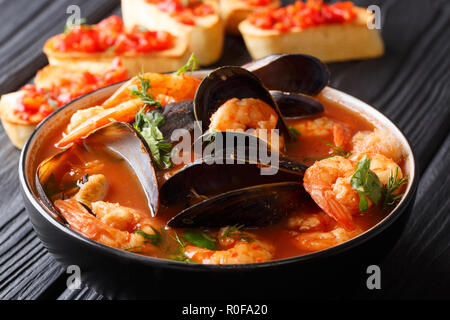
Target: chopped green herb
[(142, 93), (294, 132), (147, 124), (335, 151), (52, 103), (190, 65), (154, 239), (182, 258), (366, 183), (179, 255), (235, 233), (201, 240), (389, 199), (111, 49)]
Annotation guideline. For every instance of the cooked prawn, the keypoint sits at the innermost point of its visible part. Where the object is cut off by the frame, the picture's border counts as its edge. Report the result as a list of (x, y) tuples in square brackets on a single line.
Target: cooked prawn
[(315, 241), (234, 251), (165, 88), (309, 222), (328, 183), (377, 141), (113, 225), (123, 112), (246, 114), (324, 128)]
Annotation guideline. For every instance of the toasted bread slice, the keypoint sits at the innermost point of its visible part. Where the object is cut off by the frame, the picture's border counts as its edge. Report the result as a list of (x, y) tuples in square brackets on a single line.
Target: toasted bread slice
[(233, 12), (159, 61), (205, 38), (329, 42), (17, 130)]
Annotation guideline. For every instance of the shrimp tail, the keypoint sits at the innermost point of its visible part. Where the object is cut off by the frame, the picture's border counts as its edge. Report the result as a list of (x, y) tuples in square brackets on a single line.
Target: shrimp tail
[(329, 204)]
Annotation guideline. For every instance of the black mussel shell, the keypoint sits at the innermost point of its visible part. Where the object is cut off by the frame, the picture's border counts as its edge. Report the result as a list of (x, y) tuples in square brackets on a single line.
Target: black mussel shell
[(178, 115), (291, 73), (296, 105), (255, 206), (226, 83), (117, 139)]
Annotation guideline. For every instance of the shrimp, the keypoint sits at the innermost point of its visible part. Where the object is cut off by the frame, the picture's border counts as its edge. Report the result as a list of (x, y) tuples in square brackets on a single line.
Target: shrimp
[(309, 222), (328, 183), (122, 106), (94, 189), (234, 251), (165, 88), (113, 225), (325, 127), (249, 113), (377, 141), (315, 241)]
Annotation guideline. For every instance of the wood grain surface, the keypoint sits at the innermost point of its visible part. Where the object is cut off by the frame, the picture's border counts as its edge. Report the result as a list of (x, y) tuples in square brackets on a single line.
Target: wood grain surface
[(410, 84)]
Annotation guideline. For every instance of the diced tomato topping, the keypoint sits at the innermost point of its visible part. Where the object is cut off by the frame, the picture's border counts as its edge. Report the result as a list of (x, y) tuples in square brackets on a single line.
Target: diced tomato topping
[(110, 35), (184, 11), (303, 15), (39, 103), (258, 3)]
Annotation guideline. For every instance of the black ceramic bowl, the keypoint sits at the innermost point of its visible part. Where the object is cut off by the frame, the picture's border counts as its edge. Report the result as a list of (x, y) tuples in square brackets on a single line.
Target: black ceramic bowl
[(120, 274)]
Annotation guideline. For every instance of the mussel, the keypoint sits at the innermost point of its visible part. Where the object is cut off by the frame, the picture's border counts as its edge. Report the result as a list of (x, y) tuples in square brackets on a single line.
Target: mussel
[(226, 83), (291, 73), (229, 187), (117, 140), (180, 115)]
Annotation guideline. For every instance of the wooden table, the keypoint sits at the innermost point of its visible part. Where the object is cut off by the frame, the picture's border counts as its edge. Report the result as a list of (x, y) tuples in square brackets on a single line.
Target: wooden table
[(410, 84)]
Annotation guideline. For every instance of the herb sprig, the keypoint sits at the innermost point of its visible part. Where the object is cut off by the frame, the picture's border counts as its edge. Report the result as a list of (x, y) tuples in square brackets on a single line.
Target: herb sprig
[(191, 66), (201, 240), (154, 239), (235, 232), (148, 124), (335, 151), (366, 183), (394, 183), (294, 132), (143, 93)]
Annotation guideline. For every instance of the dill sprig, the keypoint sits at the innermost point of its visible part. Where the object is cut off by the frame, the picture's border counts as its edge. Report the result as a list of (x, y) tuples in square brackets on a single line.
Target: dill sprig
[(393, 184)]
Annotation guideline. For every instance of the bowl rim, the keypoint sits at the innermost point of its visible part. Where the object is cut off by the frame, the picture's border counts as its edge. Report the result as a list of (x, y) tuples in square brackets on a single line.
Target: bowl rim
[(179, 265)]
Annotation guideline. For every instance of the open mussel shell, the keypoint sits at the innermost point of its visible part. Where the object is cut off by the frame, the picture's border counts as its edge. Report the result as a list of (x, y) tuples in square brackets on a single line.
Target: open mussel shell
[(118, 140), (226, 83), (232, 160), (255, 206), (296, 105), (291, 73)]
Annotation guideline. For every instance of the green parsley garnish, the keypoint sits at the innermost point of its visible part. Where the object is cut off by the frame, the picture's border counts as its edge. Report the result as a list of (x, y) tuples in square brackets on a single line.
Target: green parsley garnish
[(235, 233), (366, 183), (388, 189), (148, 124), (190, 65), (294, 132), (335, 151), (52, 103), (142, 93), (179, 256), (154, 239), (201, 240)]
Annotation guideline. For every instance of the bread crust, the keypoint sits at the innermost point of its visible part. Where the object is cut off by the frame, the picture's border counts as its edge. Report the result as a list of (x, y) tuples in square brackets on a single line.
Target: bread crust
[(159, 61), (17, 129), (205, 38), (233, 12), (329, 43)]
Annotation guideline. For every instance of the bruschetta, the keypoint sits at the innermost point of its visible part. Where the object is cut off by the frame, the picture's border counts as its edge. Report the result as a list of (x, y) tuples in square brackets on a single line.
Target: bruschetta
[(93, 47), (197, 21), (21, 111), (233, 12), (335, 32)]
